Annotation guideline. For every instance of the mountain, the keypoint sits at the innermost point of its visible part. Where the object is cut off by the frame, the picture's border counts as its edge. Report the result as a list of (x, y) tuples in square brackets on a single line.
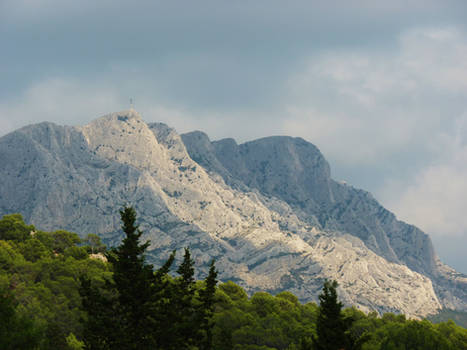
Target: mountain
[(268, 210)]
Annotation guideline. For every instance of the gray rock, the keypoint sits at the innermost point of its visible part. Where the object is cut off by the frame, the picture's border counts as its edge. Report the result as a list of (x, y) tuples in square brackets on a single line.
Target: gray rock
[(267, 211), (295, 171)]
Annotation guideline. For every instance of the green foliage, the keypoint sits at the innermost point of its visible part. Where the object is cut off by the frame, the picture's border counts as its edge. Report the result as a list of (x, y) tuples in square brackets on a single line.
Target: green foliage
[(234, 292), (41, 271), (121, 305), (132, 277), (184, 303), (206, 308), (73, 343), (416, 335), (150, 308), (62, 240), (261, 322), (330, 327), (17, 331), (94, 244), (455, 335), (101, 320), (54, 296), (13, 228)]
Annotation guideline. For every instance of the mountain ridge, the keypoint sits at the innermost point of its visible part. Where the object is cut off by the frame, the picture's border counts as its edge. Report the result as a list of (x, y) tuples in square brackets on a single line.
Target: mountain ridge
[(216, 198)]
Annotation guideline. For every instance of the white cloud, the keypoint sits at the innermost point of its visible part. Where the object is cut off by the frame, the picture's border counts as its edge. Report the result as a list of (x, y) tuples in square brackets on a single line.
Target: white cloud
[(436, 57), (376, 104), (435, 198), (63, 101), (68, 101), (365, 107), (436, 201)]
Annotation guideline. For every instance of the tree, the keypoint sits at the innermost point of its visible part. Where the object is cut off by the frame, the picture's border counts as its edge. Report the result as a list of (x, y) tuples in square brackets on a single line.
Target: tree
[(61, 240), (133, 280), (94, 243), (187, 327), (142, 309), (165, 308), (306, 344), (187, 273), (126, 301), (330, 326), (12, 227), (16, 331), (102, 317), (206, 312), (73, 343)]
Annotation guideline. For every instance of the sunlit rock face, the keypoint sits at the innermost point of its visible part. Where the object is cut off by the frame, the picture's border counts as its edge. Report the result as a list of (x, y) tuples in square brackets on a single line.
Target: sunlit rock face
[(267, 211)]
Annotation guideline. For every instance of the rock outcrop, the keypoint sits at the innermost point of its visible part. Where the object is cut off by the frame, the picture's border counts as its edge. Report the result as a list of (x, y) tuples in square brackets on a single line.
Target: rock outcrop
[(267, 211), (295, 171)]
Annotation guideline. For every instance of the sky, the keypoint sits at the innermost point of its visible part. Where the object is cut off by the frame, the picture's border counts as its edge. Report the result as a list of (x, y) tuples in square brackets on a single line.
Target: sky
[(380, 87)]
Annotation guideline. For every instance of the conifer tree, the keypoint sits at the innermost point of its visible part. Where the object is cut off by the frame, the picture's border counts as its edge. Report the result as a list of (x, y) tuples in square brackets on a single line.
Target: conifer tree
[(102, 317), (184, 297), (330, 326), (206, 296), (166, 311), (142, 309), (119, 314), (133, 280), (187, 273)]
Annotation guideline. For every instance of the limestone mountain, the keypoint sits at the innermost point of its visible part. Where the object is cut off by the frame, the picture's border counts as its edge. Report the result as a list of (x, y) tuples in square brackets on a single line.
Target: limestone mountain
[(267, 210)]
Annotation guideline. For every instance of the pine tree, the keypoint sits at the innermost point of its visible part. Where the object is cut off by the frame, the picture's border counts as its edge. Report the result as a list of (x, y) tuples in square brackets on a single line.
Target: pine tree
[(330, 326)]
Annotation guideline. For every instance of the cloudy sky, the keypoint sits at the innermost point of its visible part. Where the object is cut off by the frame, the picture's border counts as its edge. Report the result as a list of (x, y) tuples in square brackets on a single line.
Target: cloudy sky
[(379, 86)]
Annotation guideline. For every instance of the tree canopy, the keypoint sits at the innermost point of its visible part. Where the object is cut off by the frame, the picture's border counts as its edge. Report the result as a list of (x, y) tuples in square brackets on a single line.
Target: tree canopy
[(55, 294)]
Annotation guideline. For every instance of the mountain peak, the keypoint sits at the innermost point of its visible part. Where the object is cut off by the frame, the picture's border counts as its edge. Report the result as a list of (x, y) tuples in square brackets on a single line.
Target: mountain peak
[(266, 210), (121, 116)]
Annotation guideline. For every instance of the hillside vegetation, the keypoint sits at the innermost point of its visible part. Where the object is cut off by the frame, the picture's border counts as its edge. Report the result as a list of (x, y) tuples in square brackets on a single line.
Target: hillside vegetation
[(58, 291)]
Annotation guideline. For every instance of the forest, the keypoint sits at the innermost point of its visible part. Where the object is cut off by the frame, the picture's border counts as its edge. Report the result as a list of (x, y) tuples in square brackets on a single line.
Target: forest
[(60, 291)]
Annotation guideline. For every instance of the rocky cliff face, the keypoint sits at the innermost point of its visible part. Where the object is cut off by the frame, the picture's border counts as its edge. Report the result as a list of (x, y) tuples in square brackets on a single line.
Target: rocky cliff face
[(295, 171), (267, 211)]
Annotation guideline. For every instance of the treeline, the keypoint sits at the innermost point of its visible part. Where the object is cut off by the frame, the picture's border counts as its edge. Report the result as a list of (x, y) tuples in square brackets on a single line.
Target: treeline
[(459, 317), (60, 292)]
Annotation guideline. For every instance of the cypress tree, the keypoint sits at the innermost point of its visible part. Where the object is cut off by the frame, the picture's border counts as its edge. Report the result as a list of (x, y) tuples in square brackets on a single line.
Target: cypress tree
[(175, 326), (187, 273), (133, 280), (206, 309), (119, 314), (330, 326), (186, 323), (142, 309), (102, 320), (166, 313)]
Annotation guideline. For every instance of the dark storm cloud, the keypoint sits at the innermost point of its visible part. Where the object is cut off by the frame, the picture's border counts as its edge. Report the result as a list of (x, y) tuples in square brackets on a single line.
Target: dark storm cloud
[(236, 49)]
